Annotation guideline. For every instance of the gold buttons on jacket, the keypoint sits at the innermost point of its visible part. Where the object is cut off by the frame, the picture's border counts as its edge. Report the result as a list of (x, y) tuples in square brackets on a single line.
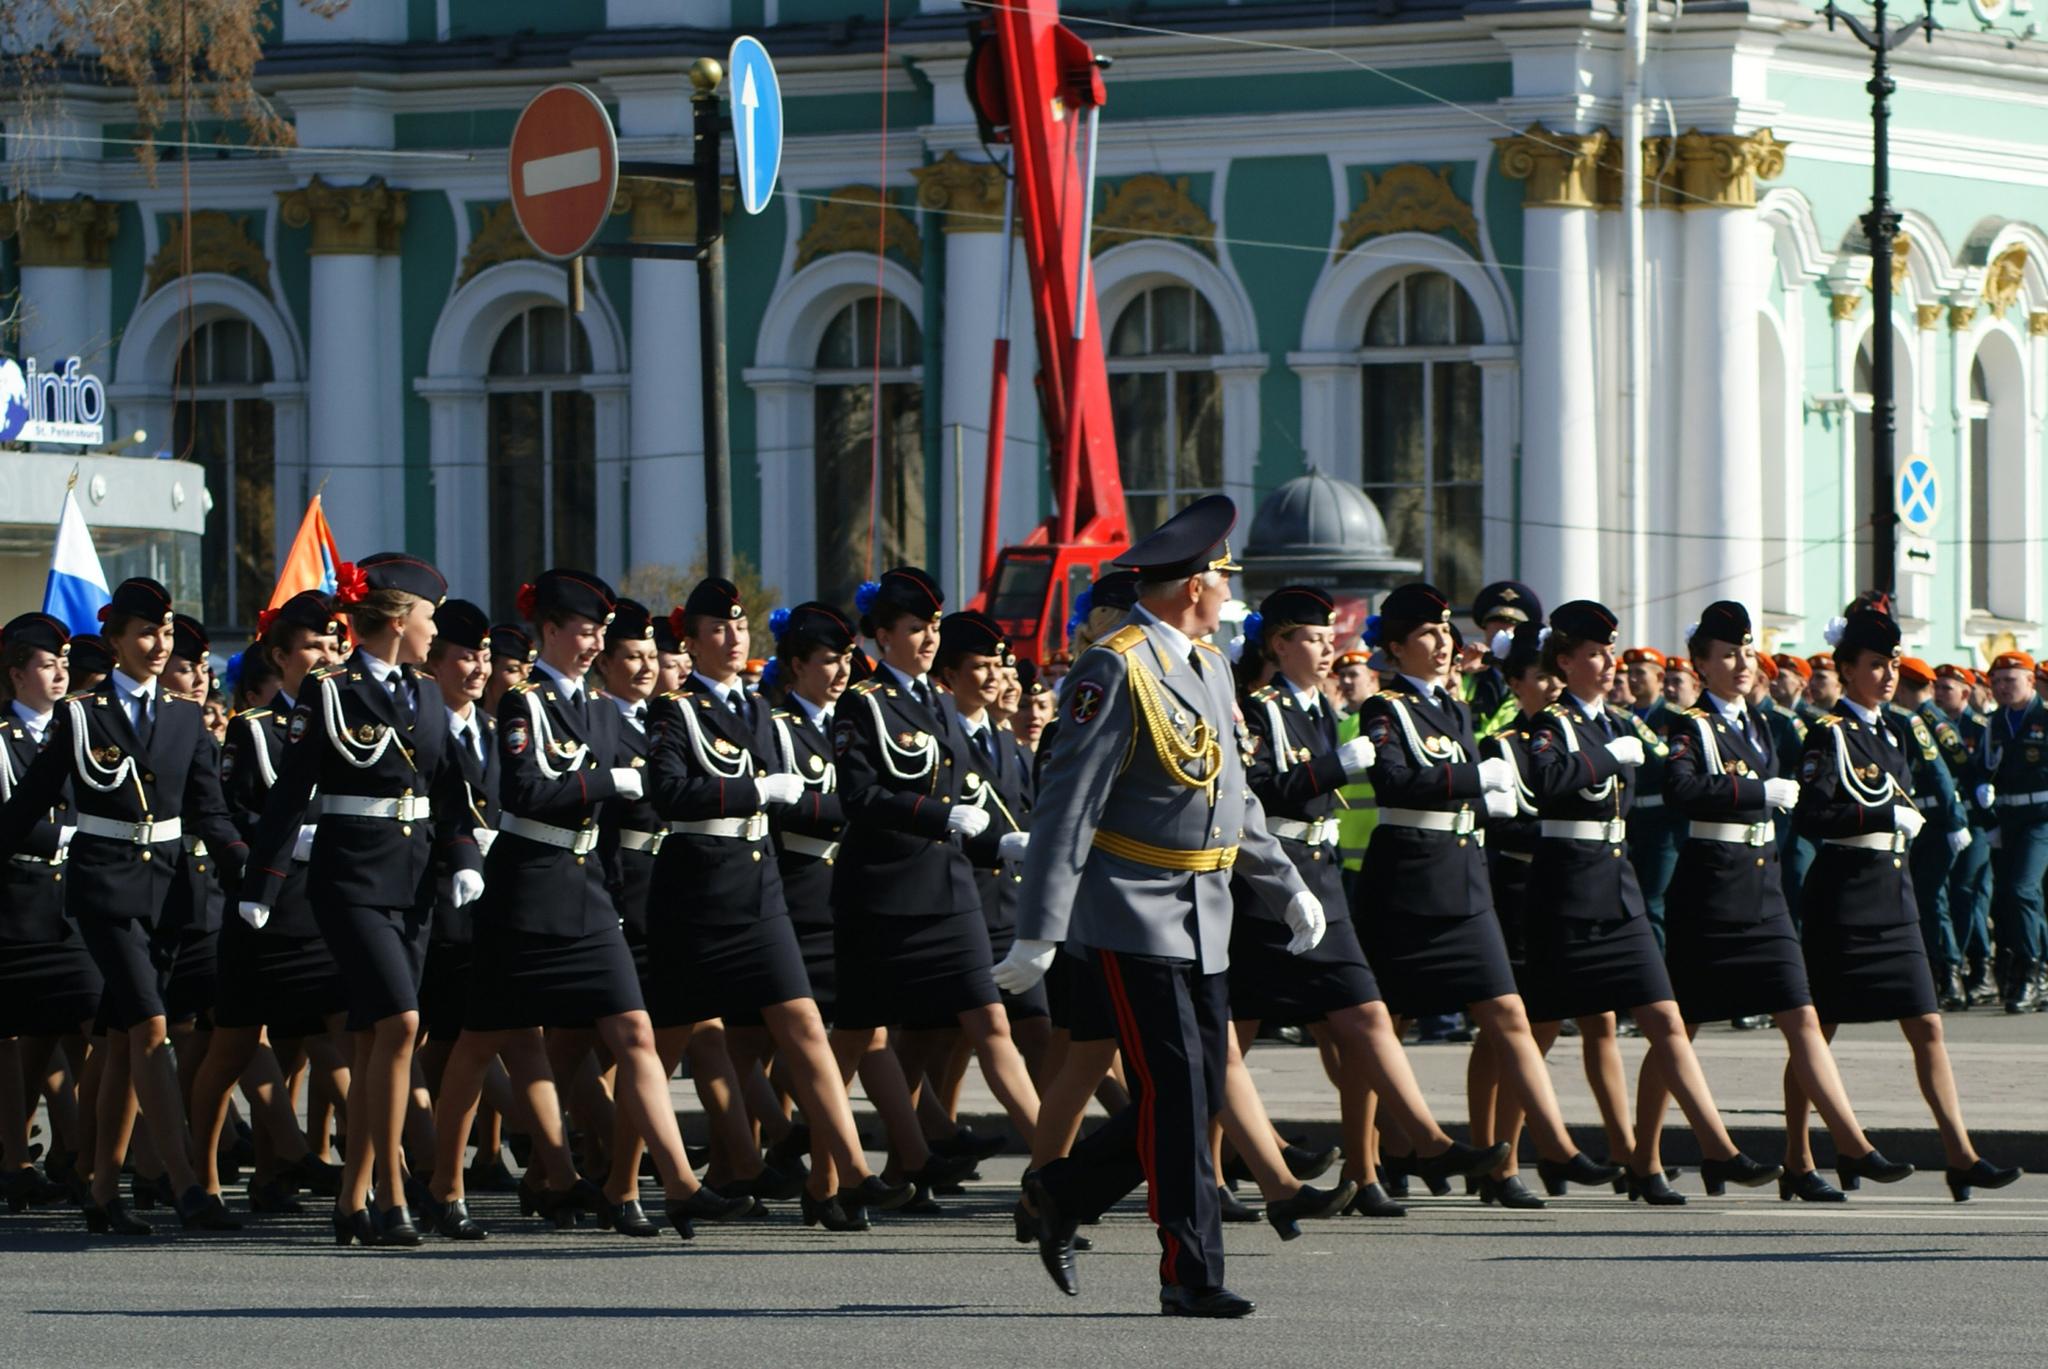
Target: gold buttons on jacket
[(149, 779), (145, 856), (405, 831)]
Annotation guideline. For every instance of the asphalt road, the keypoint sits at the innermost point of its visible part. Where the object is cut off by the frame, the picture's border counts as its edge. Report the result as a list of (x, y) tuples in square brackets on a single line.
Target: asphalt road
[(1900, 1276)]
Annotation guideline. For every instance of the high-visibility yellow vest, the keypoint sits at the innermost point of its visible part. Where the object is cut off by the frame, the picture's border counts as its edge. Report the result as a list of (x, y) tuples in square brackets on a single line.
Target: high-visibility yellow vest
[(1359, 812)]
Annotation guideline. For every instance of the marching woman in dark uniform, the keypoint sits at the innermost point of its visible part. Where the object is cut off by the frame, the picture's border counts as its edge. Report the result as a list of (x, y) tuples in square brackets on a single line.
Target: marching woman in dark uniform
[(280, 975), (1296, 769), (721, 935), (1423, 908), (49, 987), (549, 949), (629, 667), (1730, 945), (142, 772), (197, 903), (1588, 943), (1865, 957), (372, 737), (911, 939)]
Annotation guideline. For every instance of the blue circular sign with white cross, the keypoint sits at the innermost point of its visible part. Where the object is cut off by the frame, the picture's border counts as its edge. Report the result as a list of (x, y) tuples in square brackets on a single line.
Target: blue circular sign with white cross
[(756, 121), (1919, 495)]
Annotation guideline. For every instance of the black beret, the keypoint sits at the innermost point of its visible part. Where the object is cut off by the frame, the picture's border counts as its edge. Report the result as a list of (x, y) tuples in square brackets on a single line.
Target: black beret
[(665, 640), (309, 609), (813, 622), (970, 633), (188, 638), (714, 598), (89, 655), (1294, 606), (1027, 677), (906, 588), (1118, 589), (1509, 599), (37, 630), (567, 591), (392, 570), (1416, 603), (1192, 541), (511, 642), (1585, 619), (1869, 628), (1723, 621), (461, 623), (140, 597), (631, 622)]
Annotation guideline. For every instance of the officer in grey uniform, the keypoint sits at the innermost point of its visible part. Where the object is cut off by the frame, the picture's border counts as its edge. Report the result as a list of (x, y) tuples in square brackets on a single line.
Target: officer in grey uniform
[(1130, 865)]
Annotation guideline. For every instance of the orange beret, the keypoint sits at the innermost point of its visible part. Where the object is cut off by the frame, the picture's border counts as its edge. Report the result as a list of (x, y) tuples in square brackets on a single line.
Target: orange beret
[(1796, 664), (1351, 658), (1824, 661), (1949, 671), (2014, 660), (1683, 664), (1768, 666), (1644, 655), (1915, 671)]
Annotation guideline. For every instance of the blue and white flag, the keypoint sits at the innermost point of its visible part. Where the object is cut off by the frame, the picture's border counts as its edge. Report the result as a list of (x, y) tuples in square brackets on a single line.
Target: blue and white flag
[(77, 589)]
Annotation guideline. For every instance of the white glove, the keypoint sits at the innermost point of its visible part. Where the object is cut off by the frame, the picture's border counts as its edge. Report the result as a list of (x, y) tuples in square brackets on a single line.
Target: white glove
[(64, 836), (1356, 756), (1305, 917), (967, 820), (1025, 965), (1987, 796), (1959, 841), (255, 914), (302, 849), (626, 783), (1013, 845), (465, 887), (779, 788), (1781, 793), (1627, 750), (1497, 775), (1907, 820), (1499, 805)]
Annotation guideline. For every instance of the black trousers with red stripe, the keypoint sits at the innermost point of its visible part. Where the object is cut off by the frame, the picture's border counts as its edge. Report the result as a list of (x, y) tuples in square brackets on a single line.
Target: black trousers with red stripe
[(1170, 1021)]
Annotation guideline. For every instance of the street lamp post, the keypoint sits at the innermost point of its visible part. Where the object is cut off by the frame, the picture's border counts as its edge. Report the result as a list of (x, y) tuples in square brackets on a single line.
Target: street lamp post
[(1881, 229)]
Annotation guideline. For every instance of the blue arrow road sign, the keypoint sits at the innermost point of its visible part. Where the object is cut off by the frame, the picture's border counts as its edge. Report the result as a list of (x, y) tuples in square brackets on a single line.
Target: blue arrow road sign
[(1919, 495), (756, 121)]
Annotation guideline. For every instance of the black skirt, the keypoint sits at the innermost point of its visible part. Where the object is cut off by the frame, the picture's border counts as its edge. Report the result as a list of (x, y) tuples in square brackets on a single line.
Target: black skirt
[(911, 969), (1432, 965), (195, 979), (1729, 942), (135, 967), (444, 989), (1579, 967), (1075, 1002), (530, 979), (706, 971), (1510, 874), (381, 953), (47, 988), (1868, 974), (1277, 989), (286, 983)]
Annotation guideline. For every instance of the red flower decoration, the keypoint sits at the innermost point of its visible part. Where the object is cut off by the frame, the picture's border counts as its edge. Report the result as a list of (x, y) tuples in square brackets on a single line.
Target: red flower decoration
[(105, 609), (526, 602), (675, 622), (264, 620), (351, 584)]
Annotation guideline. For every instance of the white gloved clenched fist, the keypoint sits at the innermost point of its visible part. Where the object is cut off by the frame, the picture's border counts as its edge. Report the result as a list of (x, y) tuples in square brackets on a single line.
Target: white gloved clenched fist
[(1959, 841), (1627, 750), (1025, 965), (1305, 918), (1987, 796), (967, 820), (255, 914), (779, 788), (1497, 775), (626, 783), (465, 887), (1013, 845), (1781, 793), (1356, 756), (1498, 804), (1908, 820)]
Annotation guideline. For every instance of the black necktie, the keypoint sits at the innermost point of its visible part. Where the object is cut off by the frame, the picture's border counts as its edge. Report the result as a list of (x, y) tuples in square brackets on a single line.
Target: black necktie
[(740, 709), (1195, 660), (640, 716), (921, 692), (400, 696), (982, 744), (1606, 724), (145, 724)]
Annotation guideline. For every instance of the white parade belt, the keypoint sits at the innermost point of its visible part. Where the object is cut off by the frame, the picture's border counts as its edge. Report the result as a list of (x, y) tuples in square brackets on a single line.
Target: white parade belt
[(746, 829), (411, 808), (1648, 801), (1927, 803), (139, 833), (1614, 832), (582, 841), (1463, 822), (1734, 833), (647, 843), (1314, 833), (2023, 800), (1873, 841), (810, 846), (1526, 857)]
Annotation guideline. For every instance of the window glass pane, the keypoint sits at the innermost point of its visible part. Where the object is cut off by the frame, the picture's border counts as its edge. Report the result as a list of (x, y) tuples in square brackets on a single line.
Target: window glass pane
[(903, 512), (230, 351), (1173, 318), (1383, 329), (835, 349), (1208, 332), (516, 472), (1980, 508), (574, 479), (1138, 405), (1470, 329), (1198, 423), (843, 465), (201, 434), (1459, 455), (1145, 512), (1128, 338), (255, 510), (1393, 424), (1455, 546), (508, 355), (548, 341), (1429, 309), (1401, 508)]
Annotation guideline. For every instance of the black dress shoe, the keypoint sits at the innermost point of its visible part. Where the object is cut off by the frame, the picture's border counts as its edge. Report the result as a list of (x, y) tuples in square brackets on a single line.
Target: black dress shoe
[(788, 1153), (272, 1198), (1460, 1159), (1410, 1164), (1808, 1187), (454, 1222), (1396, 1184), (942, 1173), (1233, 1210), (353, 1226), (1508, 1192), (28, 1188), (1055, 1234), (965, 1143), (1372, 1201), (1983, 1174), (1654, 1190), (877, 1193), (1738, 1168), (1850, 1170), (556, 1205), (395, 1228), (313, 1174), (827, 1212), (1308, 1165), (1310, 1204), (199, 1210), (112, 1218), (707, 1205), (142, 1193), (489, 1177), (1580, 1169), (770, 1185), (1177, 1301), (627, 1218)]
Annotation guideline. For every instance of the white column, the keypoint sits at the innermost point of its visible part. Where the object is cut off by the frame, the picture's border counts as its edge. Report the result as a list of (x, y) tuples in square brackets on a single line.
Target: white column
[(365, 494), (458, 422), (974, 264), (56, 315), (783, 430), (667, 442), (1560, 466), (1721, 484)]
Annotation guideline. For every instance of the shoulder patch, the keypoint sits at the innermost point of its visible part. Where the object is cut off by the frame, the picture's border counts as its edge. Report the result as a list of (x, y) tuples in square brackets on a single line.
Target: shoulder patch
[(842, 735), (1809, 767), (302, 718), (1087, 701), (227, 760), (1124, 640), (517, 736)]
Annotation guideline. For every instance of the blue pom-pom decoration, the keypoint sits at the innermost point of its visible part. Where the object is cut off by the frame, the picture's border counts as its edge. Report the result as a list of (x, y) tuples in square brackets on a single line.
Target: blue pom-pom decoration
[(778, 622), (1084, 603), (1371, 635), (1254, 628), (233, 674), (864, 597), (771, 674)]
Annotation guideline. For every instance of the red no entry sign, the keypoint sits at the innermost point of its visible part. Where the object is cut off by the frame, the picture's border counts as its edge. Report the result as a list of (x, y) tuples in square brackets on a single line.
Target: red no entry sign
[(564, 170)]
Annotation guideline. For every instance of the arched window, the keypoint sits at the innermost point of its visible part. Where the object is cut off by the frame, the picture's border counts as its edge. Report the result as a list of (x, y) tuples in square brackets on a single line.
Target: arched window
[(1977, 410), (1167, 404), (855, 383), (224, 423), (542, 462), (1999, 481), (1424, 458)]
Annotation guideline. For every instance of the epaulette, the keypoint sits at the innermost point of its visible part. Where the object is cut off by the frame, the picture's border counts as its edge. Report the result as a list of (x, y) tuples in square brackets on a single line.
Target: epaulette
[(1209, 646), (1827, 720), (81, 694), (326, 671), (253, 713), (1556, 710), (1124, 640), (782, 713), (523, 687), (1265, 694), (865, 687), (1694, 712)]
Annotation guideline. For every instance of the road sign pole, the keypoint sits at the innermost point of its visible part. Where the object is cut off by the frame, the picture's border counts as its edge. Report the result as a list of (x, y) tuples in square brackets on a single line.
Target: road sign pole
[(705, 75)]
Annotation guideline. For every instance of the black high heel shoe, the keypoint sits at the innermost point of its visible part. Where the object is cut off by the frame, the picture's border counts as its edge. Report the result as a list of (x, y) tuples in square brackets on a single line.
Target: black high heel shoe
[(1654, 1190), (395, 1228), (939, 1171), (1738, 1168), (1310, 1204), (877, 1193), (1308, 1165), (770, 1185), (142, 1192), (1508, 1192), (682, 1213), (1983, 1174), (1233, 1208), (112, 1218), (454, 1222), (1460, 1160), (1410, 1166), (1374, 1201), (965, 1143), (788, 1154), (315, 1175), (1851, 1170), (827, 1212), (488, 1177), (199, 1210), (353, 1226), (1808, 1187), (419, 1198), (1581, 1169), (272, 1198)]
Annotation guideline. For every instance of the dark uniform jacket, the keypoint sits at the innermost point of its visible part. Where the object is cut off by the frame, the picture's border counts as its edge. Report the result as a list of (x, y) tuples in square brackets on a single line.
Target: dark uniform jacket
[(1576, 778), (817, 817), (93, 750), (32, 883), (1853, 779), (631, 825), (1518, 835), (347, 736), (2013, 759), (478, 778), (556, 760), (702, 767), (902, 767), (1296, 774), (1002, 785), (1716, 775), (251, 759), (1425, 758), (1927, 756)]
